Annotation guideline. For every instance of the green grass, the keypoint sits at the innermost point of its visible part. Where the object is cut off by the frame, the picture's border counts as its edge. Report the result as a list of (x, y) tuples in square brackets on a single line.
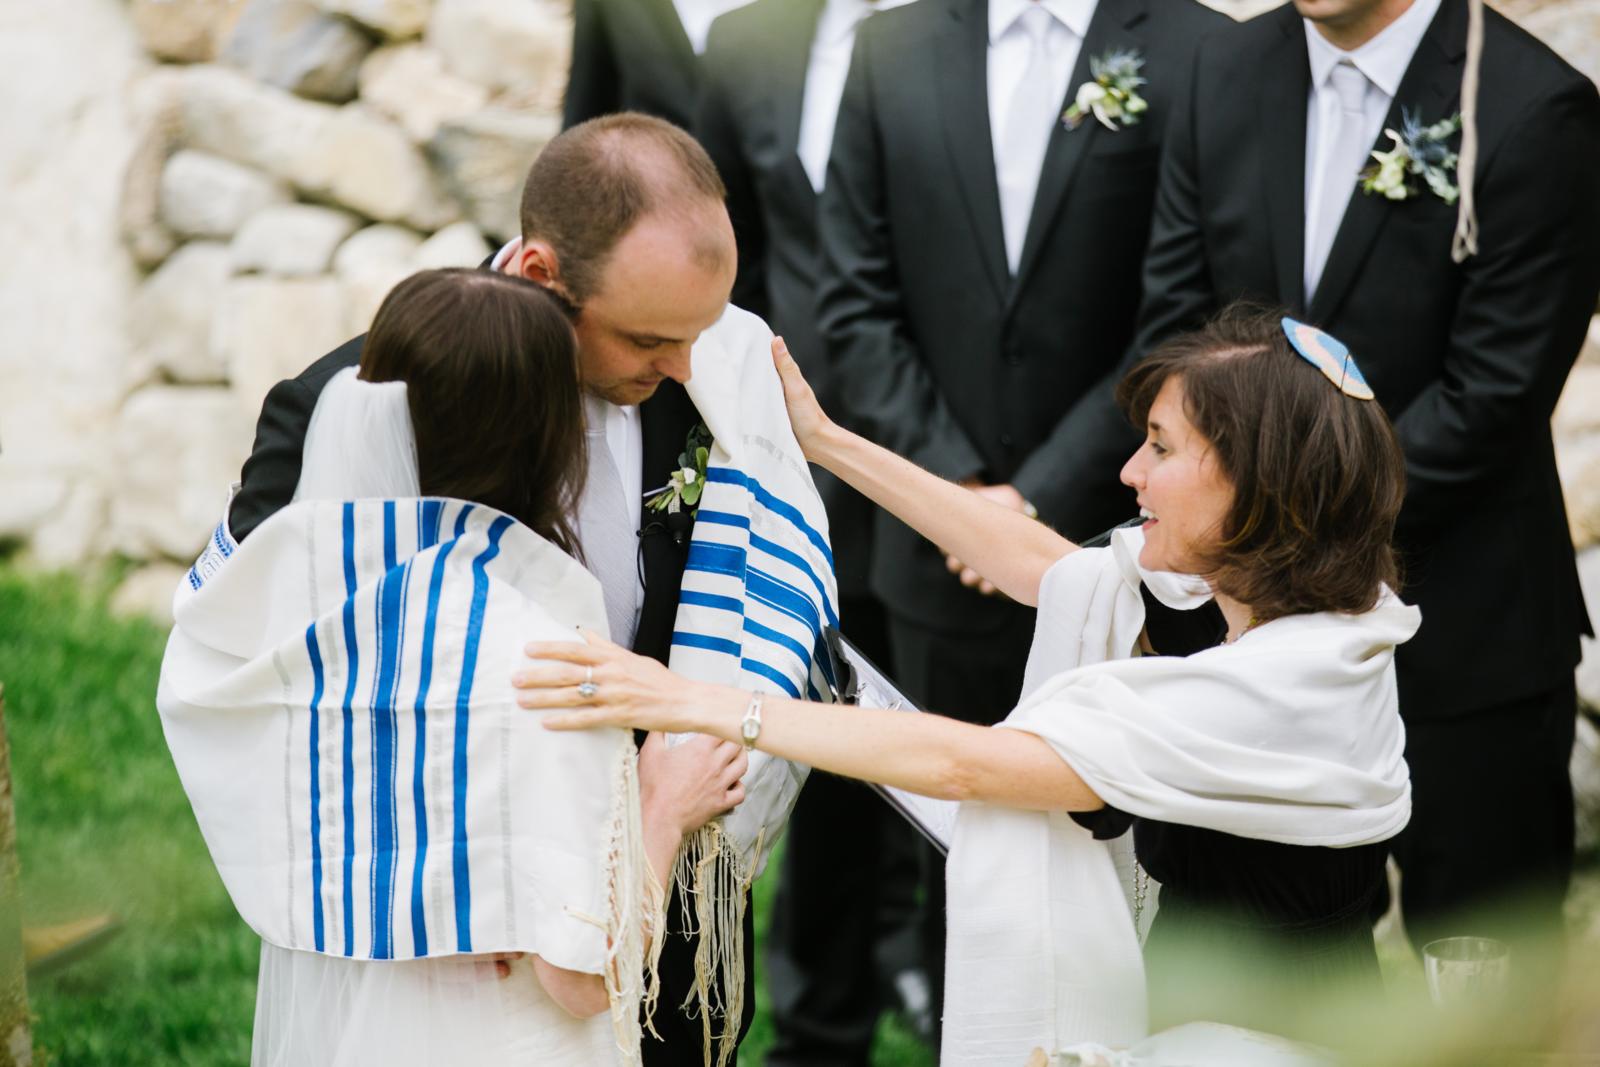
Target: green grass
[(103, 825)]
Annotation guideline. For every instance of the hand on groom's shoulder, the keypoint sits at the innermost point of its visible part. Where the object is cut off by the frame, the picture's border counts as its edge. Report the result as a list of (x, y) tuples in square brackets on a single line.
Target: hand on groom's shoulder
[(271, 473)]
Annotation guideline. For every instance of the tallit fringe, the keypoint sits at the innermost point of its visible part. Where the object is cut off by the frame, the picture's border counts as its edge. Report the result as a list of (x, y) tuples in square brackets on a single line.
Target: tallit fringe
[(635, 919), (713, 876)]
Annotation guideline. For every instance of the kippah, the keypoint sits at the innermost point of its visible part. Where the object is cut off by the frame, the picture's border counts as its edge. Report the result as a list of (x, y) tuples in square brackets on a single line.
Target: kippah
[(1330, 356)]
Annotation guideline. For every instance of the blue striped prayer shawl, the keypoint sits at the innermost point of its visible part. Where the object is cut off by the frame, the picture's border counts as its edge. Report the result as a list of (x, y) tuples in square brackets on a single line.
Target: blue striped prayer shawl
[(758, 588), (759, 584), (337, 697)]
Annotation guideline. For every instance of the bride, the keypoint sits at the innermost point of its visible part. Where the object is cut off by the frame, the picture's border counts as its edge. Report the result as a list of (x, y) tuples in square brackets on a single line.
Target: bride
[(435, 880)]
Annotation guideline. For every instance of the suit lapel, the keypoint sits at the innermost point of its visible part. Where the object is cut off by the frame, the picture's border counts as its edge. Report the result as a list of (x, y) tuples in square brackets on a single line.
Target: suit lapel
[(1284, 88), (664, 421), (1110, 28), (960, 74), (1430, 87), (673, 33)]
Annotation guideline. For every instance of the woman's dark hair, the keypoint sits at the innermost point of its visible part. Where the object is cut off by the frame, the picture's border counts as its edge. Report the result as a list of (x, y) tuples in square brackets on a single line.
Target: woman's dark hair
[(490, 364), (1318, 476)]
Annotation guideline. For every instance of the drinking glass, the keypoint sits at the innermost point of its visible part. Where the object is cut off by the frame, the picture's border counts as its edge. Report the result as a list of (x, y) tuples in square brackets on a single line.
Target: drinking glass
[(1467, 970)]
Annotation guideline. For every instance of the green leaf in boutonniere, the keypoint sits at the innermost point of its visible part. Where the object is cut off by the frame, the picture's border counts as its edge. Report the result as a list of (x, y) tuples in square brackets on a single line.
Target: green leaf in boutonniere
[(685, 485), (1421, 154), (1112, 97)]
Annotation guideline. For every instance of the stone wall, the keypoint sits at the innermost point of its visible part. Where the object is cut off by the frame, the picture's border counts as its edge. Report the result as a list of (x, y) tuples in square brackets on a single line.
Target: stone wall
[(201, 196), (205, 196)]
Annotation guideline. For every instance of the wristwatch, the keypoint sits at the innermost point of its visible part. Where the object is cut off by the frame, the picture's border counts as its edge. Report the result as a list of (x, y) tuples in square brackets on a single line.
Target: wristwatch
[(750, 725)]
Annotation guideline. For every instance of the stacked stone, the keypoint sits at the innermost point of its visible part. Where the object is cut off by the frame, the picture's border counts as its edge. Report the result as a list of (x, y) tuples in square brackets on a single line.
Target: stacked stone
[(296, 159)]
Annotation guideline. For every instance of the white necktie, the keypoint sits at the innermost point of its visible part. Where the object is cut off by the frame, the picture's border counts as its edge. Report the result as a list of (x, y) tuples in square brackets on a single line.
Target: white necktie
[(824, 89), (1347, 147), (1030, 119), (610, 543)]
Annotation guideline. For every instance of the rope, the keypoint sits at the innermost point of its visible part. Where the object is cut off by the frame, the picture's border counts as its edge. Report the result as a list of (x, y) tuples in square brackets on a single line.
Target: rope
[(1465, 241)]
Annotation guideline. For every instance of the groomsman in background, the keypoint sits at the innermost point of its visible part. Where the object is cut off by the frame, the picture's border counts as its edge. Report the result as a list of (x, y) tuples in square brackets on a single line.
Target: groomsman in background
[(772, 76), (638, 55), (981, 266), (1259, 196)]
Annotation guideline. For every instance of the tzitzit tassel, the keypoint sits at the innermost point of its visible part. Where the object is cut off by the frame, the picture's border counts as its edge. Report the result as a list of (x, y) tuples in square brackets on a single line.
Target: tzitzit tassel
[(635, 920), (1465, 241), (713, 886)]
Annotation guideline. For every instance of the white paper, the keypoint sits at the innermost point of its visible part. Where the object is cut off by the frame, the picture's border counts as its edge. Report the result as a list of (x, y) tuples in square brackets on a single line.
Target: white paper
[(935, 818)]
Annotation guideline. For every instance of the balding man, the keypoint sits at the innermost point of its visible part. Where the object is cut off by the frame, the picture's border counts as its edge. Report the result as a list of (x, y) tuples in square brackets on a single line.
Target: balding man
[(623, 218)]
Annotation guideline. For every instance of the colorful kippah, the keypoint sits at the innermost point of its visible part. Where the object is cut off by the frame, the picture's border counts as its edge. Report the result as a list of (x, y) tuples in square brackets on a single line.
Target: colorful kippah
[(1330, 356)]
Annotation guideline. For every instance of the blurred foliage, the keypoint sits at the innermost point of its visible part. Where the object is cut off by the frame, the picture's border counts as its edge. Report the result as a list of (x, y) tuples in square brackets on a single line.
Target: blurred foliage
[(103, 825)]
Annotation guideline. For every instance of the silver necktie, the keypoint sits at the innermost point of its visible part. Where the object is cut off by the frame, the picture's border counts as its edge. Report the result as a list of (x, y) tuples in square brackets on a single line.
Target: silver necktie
[(1347, 148), (610, 543)]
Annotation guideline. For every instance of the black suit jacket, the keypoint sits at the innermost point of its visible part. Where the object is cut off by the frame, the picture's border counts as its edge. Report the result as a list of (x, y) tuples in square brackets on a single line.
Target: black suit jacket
[(1468, 360), (941, 354), (629, 55), (753, 78)]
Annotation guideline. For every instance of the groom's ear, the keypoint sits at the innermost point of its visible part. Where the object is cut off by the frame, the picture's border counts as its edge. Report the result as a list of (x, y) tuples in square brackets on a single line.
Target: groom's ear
[(538, 263)]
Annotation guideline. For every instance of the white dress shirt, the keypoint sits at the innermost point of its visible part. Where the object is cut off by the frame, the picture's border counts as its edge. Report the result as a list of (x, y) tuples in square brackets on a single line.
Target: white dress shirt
[(1017, 162), (825, 77), (1383, 60), (698, 15)]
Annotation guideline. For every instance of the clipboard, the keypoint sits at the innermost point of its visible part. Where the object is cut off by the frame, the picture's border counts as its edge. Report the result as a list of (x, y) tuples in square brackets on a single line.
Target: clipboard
[(859, 681)]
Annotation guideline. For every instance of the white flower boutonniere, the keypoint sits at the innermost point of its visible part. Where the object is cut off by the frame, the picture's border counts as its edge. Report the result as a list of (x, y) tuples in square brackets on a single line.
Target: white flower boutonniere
[(683, 489), (1113, 96), (1419, 152)]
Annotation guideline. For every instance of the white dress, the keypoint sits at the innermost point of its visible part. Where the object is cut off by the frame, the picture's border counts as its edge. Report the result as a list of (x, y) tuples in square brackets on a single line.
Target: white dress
[(316, 1010)]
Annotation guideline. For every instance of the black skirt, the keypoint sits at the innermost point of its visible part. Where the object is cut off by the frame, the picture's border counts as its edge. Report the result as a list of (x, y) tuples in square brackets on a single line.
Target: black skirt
[(1250, 932)]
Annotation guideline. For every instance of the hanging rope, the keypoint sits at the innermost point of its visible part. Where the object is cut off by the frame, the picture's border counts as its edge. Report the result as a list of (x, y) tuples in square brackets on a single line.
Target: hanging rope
[(1465, 241)]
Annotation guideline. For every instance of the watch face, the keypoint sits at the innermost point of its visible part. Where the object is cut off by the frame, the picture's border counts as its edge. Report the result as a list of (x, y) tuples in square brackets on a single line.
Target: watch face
[(751, 729)]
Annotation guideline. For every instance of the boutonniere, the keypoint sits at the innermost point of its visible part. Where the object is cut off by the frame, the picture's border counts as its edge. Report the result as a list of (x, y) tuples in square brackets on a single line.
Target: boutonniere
[(1112, 97), (1419, 152), (683, 489)]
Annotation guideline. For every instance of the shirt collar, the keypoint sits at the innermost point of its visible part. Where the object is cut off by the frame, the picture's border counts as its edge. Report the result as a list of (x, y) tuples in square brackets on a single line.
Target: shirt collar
[(1073, 14), (1383, 59), (839, 19)]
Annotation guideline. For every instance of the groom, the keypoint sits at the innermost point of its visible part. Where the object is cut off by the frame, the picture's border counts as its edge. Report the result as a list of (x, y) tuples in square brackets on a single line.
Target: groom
[(623, 217)]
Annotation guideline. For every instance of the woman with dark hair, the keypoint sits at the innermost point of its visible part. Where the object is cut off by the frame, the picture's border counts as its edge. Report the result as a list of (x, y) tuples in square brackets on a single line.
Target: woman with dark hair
[(1262, 773), (435, 879)]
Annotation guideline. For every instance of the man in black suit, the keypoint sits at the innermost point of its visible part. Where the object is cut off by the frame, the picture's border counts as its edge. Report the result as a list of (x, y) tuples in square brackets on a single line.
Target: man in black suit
[(772, 76), (637, 55), (1259, 198), (643, 288), (981, 279)]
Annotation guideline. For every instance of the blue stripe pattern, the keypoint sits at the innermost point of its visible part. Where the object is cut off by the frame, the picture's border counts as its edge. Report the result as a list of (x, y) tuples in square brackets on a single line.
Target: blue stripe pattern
[(705, 641), (761, 587), (353, 655), (469, 664), (729, 476), (432, 512), (419, 925), (315, 655), (387, 605)]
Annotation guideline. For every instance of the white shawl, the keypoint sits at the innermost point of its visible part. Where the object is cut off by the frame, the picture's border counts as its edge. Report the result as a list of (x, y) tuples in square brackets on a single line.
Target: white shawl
[(758, 589), (1290, 734)]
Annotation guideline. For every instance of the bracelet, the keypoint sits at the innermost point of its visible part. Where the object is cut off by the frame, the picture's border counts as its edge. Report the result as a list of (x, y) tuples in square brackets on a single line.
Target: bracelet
[(750, 725)]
